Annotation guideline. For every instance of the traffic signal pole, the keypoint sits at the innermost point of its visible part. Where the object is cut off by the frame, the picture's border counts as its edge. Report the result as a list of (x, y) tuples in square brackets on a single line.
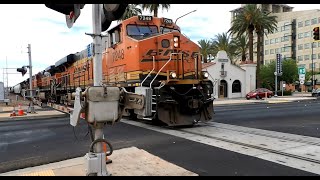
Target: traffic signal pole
[(97, 80), (312, 65), (31, 108), (97, 64)]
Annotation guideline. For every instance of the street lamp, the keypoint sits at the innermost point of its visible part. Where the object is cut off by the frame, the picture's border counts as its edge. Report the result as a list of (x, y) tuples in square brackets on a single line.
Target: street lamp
[(184, 15)]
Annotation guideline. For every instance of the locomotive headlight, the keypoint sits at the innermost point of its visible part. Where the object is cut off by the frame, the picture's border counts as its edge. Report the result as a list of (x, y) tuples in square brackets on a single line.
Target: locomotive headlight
[(173, 75), (176, 41), (205, 74)]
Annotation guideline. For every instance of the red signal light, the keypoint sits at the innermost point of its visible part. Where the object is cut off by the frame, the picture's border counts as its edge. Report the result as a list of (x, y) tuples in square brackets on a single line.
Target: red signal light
[(316, 34)]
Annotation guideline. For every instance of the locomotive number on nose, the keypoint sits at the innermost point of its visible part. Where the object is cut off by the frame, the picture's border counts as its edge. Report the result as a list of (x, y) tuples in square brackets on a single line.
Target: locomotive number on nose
[(118, 55)]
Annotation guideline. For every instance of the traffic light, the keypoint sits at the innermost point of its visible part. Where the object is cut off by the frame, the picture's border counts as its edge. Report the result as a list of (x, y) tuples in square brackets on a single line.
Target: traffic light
[(72, 11), (111, 12), (316, 34), (23, 70)]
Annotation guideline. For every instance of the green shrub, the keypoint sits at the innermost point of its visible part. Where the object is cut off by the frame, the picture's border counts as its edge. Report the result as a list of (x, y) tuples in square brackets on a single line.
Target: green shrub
[(285, 93)]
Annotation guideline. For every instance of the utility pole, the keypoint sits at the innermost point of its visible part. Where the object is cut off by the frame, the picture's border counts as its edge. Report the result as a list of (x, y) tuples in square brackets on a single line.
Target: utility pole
[(97, 78), (276, 84), (31, 108), (312, 66), (7, 91)]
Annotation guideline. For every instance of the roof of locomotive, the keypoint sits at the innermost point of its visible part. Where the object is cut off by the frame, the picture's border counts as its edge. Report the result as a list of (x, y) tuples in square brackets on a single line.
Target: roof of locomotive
[(50, 68), (69, 59), (148, 20)]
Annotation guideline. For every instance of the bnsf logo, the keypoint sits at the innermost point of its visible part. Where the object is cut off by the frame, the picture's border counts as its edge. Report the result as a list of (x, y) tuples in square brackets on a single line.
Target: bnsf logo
[(166, 52)]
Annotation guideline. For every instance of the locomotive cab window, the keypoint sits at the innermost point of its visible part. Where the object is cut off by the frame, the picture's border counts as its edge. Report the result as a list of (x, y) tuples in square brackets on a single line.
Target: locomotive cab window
[(164, 30), (141, 31), (114, 37)]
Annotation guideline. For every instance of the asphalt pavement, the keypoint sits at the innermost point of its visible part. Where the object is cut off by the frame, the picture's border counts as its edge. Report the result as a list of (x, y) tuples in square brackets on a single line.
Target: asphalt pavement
[(301, 117), (31, 143)]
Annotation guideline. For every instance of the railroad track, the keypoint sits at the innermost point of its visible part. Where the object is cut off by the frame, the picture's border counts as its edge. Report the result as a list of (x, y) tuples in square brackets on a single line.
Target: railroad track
[(300, 152), (262, 148)]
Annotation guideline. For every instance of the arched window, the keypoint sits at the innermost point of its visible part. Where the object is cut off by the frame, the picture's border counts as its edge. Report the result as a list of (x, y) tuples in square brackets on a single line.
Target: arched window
[(236, 86)]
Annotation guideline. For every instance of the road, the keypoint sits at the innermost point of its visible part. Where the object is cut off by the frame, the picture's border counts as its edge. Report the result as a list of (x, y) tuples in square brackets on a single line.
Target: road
[(300, 118), (31, 143)]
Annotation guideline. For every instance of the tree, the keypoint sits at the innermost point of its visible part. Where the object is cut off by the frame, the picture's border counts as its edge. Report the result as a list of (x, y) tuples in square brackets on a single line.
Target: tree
[(153, 8), (205, 49), (249, 19), (241, 47), (243, 23), (265, 24), (289, 75), (131, 10), (223, 42)]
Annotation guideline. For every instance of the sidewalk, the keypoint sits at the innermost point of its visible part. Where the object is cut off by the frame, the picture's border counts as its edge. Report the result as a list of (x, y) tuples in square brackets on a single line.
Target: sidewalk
[(126, 162), (279, 99), (40, 114)]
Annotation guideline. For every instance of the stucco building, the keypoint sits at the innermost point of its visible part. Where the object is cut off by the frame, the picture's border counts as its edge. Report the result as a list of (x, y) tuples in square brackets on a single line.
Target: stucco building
[(230, 81)]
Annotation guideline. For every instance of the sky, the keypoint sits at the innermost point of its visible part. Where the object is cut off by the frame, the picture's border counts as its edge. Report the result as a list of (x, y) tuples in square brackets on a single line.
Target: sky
[(51, 39)]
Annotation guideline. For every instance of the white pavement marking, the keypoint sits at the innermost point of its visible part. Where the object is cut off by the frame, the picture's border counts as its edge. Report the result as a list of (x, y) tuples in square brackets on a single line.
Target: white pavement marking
[(289, 145)]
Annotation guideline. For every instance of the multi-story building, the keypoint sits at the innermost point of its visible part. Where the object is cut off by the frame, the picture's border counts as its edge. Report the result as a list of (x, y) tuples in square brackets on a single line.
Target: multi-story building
[(293, 37)]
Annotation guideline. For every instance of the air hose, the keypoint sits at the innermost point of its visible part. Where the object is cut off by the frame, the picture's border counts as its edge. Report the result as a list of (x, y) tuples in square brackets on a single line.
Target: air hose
[(102, 140)]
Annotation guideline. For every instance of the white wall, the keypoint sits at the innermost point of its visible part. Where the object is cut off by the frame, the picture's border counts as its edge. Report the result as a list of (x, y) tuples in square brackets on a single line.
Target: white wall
[(250, 77), (246, 74)]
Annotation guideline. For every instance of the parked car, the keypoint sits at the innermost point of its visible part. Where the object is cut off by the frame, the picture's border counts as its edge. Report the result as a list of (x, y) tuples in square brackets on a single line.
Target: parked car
[(259, 93), (316, 93)]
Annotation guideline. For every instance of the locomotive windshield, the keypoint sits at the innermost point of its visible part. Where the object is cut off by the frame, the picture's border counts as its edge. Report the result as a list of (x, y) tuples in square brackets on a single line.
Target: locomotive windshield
[(166, 30), (141, 31)]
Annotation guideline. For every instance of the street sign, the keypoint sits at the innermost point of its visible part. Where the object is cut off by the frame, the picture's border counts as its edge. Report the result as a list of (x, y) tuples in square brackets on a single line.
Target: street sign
[(301, 81), (302, 77), (302, 70), (90, 49), (279, 65)]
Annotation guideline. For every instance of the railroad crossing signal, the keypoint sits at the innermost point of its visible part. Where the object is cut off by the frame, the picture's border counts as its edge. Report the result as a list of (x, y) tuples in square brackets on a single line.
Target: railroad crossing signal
[(72, 11), (110, 12), (23, 70), (316, 34)]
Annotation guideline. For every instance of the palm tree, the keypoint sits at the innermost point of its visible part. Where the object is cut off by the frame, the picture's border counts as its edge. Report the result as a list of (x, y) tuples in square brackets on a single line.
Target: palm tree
[(241, 47), (155, 7), (205, 49), (265, 24), (249, 19), (223, 42), (131, 10), (244, 22)]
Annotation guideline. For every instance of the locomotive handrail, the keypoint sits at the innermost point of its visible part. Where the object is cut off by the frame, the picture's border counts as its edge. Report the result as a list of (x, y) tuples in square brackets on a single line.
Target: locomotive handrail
[(196, 64), (154, 66), (163, 67)]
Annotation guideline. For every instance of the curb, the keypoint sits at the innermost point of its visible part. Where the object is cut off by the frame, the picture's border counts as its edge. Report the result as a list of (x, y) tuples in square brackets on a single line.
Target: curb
[(23, 118), (267, 101), (239, 103)]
